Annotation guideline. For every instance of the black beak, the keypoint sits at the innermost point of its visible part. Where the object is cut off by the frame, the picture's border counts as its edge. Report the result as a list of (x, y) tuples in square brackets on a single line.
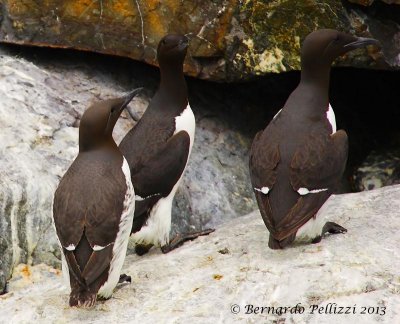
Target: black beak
[(128, 98), (183, 43), (362, 42), (189, 36)]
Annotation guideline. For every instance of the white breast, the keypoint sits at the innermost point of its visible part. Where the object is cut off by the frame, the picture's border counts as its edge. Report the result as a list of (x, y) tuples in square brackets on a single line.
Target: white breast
[(330, 114), (156, 230), (121, 242), (186, 121)]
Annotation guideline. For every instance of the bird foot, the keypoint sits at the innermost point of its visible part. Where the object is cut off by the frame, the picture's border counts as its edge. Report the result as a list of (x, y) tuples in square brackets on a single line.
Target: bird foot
[(179, 239), (333, 228), (317, 239), (124, 278), (142, 249)]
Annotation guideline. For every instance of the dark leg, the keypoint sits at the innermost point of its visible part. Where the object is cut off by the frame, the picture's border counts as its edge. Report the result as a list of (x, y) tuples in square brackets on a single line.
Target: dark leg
[(333, 228), (317, 239), (179, 239), (274, 244), (141, 249), (124, 278)]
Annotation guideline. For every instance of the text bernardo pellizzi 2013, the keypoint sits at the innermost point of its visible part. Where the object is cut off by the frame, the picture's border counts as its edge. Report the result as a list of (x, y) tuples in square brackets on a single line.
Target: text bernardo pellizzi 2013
[(328, 309)]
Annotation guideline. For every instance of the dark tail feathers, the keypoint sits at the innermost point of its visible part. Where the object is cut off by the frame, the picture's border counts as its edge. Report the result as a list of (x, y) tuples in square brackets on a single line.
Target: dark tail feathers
[(82, 298)]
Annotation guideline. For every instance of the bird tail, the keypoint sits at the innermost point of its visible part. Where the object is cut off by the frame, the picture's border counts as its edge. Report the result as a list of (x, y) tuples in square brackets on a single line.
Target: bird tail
[(82, 298), (274, 244)]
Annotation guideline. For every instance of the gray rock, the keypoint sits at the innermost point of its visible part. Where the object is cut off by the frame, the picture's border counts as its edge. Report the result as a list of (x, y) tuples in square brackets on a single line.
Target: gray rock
[(378, 170), (200, 284)]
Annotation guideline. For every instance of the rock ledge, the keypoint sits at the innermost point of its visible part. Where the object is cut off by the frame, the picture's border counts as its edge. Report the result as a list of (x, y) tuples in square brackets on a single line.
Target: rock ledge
[(208, 279)]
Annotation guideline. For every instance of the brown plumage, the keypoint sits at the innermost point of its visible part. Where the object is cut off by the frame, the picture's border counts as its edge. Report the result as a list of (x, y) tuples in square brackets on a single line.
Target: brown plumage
[(157, 148), (89, 205), (297, 161)]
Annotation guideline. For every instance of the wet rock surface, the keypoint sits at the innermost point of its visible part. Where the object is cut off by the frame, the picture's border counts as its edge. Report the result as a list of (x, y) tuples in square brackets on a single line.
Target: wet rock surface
[(231, 40), (212, 279)]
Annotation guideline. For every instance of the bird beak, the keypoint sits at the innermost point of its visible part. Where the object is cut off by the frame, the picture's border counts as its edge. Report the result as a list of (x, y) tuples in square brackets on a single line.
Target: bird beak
[(184, 43), (189, 36), (362, 42), (128, 98)]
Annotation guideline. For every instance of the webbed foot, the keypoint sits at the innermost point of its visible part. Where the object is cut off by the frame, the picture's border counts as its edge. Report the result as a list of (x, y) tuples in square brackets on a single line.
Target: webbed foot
[(179, 239)]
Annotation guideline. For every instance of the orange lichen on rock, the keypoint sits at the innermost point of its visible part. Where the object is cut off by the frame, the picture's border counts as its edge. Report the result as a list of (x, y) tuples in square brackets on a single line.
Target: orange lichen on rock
[(25, 271), (79, 8)]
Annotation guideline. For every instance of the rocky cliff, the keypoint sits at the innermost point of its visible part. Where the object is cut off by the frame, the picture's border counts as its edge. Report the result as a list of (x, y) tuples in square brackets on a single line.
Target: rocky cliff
[(231, 40)]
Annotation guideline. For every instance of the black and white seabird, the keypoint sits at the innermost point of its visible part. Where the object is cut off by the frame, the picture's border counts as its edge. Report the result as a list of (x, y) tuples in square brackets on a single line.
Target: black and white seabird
[(157, 149), (94, 206), (296, 162)]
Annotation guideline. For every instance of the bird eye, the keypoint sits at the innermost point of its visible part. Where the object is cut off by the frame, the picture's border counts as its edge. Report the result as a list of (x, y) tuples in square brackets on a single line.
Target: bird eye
[(113, 109), (164, 42)]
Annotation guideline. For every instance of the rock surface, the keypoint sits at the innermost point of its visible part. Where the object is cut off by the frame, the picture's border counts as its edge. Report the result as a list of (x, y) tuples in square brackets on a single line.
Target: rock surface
[(202, 281), (378, 170), (42, 101), (231, 40), (370, 2)]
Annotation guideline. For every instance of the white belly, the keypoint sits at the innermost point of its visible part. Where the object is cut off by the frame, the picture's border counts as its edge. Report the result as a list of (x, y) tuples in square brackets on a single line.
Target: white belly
[(157, 228), (310, 230), (122, 239)]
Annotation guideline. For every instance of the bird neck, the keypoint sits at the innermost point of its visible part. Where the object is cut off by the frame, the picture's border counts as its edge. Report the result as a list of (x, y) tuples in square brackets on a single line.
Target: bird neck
[(316, 77), (89, 145), (311, 97), (173, 82)]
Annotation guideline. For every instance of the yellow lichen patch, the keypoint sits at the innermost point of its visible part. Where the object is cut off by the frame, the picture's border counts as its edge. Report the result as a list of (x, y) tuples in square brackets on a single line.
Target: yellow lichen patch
[(218, 276), (270, 60)]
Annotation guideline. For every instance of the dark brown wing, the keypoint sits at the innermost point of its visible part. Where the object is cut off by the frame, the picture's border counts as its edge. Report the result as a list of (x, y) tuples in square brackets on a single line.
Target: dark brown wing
[(89, 197), (319, 164), (150, 134), (88, 204), (264, 158), (157, 178)]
